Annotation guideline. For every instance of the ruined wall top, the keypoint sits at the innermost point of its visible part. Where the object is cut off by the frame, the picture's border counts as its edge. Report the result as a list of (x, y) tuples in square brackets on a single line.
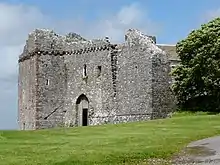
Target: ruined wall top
[(136, 37), (48, 42)]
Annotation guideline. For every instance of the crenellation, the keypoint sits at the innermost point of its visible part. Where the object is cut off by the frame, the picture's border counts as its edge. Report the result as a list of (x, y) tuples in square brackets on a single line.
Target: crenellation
[(71, 81)]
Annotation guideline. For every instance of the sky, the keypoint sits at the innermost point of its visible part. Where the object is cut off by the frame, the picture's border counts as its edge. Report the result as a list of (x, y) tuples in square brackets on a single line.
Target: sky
[(169, 20)]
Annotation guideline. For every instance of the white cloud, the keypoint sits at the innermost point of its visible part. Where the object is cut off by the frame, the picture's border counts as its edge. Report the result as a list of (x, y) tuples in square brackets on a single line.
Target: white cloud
[(18, 20), (115, 25)]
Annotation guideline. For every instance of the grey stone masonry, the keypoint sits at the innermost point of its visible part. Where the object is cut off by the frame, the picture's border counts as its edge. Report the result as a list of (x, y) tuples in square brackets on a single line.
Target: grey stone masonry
[(70, 81)]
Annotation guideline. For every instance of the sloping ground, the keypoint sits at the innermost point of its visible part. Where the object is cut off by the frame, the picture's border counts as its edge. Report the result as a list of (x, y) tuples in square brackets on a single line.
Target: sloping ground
[(130, 143)]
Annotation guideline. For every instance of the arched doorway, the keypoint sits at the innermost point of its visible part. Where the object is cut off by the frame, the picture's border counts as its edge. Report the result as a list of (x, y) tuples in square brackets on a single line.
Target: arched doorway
[(82, 107)]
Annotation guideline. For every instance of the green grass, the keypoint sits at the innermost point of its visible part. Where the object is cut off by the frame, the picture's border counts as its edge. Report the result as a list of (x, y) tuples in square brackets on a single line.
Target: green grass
[(106, 144)]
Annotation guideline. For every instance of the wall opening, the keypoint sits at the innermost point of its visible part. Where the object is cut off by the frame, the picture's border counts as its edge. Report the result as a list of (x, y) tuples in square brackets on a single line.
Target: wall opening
[(82, 111), (99, 70), (84, 70), (23, 126), (47, 82), (84, 117)]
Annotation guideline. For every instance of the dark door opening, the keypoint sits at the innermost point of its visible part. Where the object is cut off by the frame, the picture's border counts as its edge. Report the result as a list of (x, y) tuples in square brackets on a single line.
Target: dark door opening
[(23, 126), (85, 117)]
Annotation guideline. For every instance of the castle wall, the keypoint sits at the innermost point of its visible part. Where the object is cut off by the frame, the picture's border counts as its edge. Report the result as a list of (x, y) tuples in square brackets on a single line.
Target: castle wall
[(134, 84), (27, 94), (43, 104), (143, 80), (162, 99), (52, 88), (96, 85)]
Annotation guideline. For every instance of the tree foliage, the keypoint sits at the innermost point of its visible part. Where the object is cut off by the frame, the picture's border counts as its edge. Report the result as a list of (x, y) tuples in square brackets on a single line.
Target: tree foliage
[(197, 78)]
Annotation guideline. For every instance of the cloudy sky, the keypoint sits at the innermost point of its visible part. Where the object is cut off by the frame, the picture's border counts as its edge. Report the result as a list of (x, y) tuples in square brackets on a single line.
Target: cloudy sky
[(169, 20)]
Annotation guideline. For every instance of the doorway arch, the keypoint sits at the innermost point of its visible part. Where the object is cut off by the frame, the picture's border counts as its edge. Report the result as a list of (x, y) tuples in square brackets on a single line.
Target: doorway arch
[(82, 108)]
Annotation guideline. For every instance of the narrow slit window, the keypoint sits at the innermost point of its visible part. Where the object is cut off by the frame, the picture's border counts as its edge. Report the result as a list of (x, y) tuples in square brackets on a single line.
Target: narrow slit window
[(47, 82), (84, 71), (99, 70)]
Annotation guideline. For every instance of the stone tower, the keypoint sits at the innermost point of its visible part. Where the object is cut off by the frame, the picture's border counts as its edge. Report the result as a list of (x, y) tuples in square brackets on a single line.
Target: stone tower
[(71, 81)]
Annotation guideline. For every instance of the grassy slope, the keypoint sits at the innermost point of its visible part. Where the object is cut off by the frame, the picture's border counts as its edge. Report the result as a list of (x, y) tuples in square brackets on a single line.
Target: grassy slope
[(107, 144)]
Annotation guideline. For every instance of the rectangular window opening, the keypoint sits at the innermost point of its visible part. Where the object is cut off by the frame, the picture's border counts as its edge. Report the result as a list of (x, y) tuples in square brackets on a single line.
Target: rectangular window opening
[(99, 70), (47, 82), (84, 71)]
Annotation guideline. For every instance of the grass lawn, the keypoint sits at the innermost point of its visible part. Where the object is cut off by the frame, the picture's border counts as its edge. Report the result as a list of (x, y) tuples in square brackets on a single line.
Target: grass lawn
[(107, 144)]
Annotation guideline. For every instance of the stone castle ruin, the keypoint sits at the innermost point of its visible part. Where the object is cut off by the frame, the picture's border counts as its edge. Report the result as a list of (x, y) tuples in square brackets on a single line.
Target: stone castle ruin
[(70, 81)]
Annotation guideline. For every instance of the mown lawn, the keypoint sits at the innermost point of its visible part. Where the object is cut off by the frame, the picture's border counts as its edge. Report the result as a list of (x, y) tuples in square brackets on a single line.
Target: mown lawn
[(107, 144)]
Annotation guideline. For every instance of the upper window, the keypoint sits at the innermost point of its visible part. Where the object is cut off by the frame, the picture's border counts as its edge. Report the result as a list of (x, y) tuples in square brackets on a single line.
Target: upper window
[(99, 70), (47, 82), (84, 71)]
